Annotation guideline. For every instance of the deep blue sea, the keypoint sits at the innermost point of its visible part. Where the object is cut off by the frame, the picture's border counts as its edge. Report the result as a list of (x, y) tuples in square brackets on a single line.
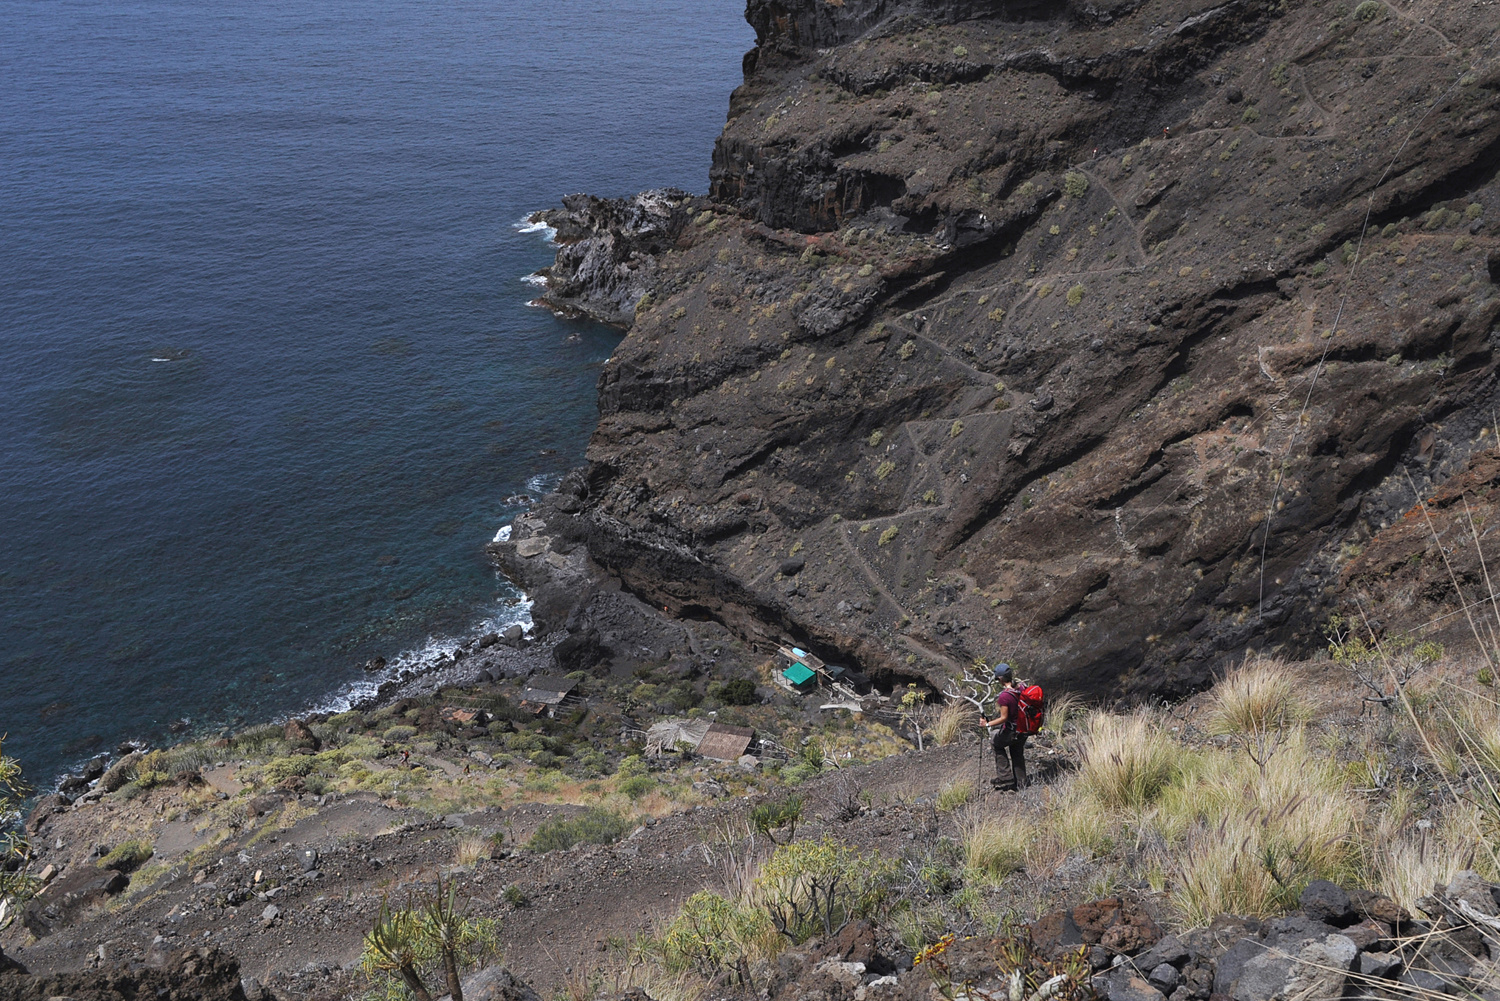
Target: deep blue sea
[(267, 367)]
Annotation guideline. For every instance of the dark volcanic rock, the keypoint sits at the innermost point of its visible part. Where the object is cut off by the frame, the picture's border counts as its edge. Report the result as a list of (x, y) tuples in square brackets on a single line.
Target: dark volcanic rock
[(191, 975), (68, 895), (1021, 316)]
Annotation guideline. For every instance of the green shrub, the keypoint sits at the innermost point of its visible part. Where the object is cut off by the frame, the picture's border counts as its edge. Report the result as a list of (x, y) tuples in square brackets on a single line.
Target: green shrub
[(1251, 115), (714, 937), (593, 827), (1075, 184), (1075, 295), (812, 887), (279, 769), (888, 536), (737, 692), (400, 734), (128, 855), (798, 772), (637, 786), (516, 897)]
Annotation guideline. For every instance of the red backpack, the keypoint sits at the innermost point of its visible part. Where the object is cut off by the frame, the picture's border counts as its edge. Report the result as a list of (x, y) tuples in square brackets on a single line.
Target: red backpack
[(1033, 710)]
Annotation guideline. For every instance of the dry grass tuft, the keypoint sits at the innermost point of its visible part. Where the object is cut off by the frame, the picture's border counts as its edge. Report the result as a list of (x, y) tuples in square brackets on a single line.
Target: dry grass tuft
[(1127, 760), (471, 848), (952, 722), (954, 794), (997, 845), (1258, 697)]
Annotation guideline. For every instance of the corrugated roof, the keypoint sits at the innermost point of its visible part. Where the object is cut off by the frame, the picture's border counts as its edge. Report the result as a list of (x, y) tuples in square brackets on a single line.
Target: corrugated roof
[(723, 742), (550, 684), (798, 674)]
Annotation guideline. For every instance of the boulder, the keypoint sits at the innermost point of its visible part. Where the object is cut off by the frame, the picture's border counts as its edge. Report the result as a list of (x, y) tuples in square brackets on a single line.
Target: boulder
[(1474, 891), (1368, 934), (1169, 950), (1232, 964), (261, 805), (1123, 984), (1164, 977), (1322, 969), (119, 773), (67, 896), (1318, 970), (496, 983), (792, 567), (528, 548), (300, 735), (8, 965), (46, 808), (1379, 964), (1056, 932), (856, 943), (1120, 926), (1327, 902), (1378, 906)]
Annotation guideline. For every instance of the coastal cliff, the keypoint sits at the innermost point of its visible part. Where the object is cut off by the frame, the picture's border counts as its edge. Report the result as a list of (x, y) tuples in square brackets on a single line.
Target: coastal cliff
[(1119, 336)]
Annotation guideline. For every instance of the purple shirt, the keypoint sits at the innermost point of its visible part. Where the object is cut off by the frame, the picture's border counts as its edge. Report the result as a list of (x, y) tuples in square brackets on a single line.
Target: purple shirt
[(1009, 699)]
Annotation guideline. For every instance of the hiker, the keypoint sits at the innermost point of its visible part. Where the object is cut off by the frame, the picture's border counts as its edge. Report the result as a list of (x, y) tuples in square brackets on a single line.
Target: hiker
[(1010, 746)]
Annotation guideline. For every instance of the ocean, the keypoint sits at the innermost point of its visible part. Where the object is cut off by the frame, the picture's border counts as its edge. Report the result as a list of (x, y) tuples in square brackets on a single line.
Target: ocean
[(269, 374)]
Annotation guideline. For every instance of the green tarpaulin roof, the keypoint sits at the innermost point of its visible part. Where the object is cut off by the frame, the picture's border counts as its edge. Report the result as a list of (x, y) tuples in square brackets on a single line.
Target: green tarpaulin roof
[(797, 674)]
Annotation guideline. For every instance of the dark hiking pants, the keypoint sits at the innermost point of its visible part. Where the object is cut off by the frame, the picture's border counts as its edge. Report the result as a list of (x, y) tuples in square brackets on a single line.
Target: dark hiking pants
[(1010, 760)]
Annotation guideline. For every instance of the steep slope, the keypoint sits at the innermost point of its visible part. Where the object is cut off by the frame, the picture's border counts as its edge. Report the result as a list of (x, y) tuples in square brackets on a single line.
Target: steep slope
[(1020, 328)]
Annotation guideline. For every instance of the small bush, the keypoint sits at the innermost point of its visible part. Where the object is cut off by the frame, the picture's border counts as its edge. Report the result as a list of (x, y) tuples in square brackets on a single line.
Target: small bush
[(812, 887), (738, 692), (516, 897), (888, 535), (1368, 10), (637, 786), (1250, 116), (1075, 295), (128, 856), (593, 827), (876, 437), (1075, 183), (884, 469), (400, 734)]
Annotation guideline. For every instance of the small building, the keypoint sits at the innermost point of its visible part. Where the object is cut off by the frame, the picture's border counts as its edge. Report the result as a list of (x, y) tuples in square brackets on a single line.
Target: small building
[(669, 735), (798, 678), (459, 716), (723, 742), (546, 694)]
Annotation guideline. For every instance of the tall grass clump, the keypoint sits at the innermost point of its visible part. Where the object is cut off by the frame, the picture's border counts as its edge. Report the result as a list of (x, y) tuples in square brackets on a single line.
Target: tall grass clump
[(1253, 833), (951, 722), (997, 845), (1126, 761), (1256, 697)]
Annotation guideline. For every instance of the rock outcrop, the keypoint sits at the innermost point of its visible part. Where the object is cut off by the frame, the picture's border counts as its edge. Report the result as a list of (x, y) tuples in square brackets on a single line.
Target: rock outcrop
[(1054, 330)]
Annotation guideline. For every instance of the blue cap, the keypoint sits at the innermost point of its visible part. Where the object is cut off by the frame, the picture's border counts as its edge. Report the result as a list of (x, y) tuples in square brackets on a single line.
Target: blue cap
[(1002, 671)]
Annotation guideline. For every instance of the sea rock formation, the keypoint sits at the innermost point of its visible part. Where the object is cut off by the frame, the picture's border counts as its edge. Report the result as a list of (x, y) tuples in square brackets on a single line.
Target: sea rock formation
[(1106, 334)]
